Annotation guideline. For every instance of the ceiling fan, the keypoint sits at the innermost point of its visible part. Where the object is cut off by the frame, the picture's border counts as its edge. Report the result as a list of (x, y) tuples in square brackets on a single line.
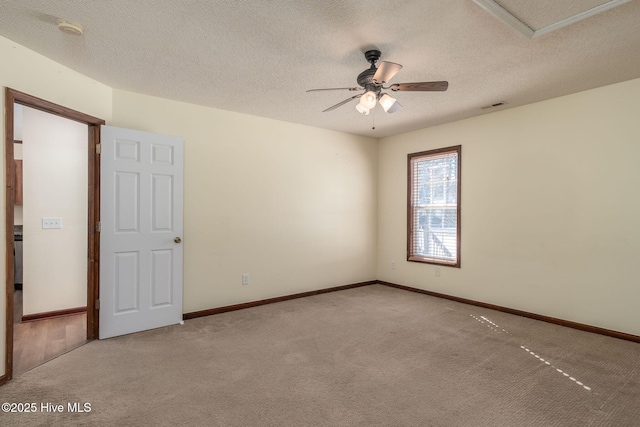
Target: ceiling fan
[(371, 81)]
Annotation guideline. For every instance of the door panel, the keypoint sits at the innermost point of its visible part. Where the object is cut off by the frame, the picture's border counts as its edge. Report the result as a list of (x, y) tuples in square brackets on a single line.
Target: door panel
[(161, 203), (161, 262), (127, 201), (127, 285), (141, 215)]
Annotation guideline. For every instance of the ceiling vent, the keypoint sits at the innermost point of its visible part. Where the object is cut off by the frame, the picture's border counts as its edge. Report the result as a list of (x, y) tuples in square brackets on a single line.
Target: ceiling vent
[(496, 105)]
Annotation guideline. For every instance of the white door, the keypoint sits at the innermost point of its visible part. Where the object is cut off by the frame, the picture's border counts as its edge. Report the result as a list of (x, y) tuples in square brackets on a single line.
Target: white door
[(141, 180)]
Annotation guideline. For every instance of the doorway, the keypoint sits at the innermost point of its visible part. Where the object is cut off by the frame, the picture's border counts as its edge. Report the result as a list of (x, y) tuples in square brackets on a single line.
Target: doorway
[(93, 210)]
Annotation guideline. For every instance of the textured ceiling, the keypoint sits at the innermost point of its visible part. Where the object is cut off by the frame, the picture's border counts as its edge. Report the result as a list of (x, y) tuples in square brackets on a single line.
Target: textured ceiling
[(260, 57)]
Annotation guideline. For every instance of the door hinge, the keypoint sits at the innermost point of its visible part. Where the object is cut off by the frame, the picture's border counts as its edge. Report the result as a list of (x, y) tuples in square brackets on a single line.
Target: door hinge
[(98, 226), (97, 305), (98, 148)]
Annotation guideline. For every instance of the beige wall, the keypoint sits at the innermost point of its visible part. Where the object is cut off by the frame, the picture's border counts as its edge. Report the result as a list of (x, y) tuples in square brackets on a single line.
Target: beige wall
[(55, 179), (549, 208), (27, 71), (293, 206)]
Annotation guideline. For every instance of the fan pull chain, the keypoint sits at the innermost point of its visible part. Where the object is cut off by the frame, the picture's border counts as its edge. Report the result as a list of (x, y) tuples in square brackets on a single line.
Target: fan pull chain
[(373, 121)]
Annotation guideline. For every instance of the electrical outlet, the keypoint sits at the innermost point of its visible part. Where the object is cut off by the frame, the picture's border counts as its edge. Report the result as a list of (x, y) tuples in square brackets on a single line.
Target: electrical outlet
[(51, 222), (393, 265), (245, 279), (437, 272)]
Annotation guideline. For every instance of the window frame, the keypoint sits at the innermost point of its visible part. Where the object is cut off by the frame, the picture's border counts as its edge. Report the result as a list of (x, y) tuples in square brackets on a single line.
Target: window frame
[(411, 210)]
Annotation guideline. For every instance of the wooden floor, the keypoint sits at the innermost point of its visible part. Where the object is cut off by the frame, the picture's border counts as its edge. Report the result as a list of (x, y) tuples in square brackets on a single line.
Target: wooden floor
[(39, 341)]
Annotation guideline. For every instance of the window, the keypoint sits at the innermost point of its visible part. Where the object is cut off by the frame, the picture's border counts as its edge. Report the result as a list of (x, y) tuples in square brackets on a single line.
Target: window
[(434, 207)]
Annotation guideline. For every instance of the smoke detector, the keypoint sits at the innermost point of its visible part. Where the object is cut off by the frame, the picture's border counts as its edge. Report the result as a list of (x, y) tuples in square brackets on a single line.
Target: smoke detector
[(69, 27)]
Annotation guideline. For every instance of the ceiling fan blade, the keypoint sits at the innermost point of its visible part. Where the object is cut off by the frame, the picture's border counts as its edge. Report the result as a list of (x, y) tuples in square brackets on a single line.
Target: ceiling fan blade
[(420, 86), (386, 70), (340, 104), (337, 88)]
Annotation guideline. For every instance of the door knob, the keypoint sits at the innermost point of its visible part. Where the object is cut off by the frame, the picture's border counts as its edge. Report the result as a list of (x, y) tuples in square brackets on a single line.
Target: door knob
[(177, 239)]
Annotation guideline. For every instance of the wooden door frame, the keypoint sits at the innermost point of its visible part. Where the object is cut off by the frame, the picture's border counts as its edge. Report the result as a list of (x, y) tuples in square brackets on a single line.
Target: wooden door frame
[(12, 96)]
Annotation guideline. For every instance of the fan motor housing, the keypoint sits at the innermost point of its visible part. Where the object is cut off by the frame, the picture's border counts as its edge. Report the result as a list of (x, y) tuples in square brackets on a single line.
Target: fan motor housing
[(365, 78)]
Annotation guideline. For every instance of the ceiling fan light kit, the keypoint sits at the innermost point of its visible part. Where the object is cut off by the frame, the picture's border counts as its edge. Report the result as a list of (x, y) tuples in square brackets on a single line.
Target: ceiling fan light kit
[(361, 109), (372, 81), (368, 100), (387, 102)]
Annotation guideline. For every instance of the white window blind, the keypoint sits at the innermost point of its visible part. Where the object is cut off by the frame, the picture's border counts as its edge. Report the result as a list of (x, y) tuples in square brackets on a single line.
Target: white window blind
[(434, 211)]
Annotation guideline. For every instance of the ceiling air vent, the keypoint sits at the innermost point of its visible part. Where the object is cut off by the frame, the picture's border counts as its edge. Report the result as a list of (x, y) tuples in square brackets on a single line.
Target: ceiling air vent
[(497, 104)]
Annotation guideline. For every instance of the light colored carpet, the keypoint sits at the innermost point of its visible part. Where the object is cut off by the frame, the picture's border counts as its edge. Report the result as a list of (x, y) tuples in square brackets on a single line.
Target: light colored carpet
[(370, 356)]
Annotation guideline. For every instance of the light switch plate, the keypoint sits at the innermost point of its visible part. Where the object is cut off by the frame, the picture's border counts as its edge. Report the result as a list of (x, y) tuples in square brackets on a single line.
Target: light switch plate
[(51, 222)]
